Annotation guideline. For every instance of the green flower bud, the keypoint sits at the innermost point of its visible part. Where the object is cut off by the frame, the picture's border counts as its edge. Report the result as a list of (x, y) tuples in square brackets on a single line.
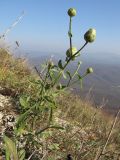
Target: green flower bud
[(69, 54), (90, 35), (50, 64), (71, 12), (89, 70)]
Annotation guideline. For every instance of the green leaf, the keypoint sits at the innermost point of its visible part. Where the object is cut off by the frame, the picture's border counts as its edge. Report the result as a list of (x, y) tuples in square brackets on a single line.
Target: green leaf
[(69, 34), (79, 77), (49, 99), (22, 118), (81, 80), (54, 146), (21, 154), (60, 64), (7, 154), (64, 76), (11, 149), (68, 73), (57, 127), (24, 101), (48, 127), (20, 130), (55, 70)]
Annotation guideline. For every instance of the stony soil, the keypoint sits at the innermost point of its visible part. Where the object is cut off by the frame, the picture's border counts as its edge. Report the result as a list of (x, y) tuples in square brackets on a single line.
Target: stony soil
[(8, 113)]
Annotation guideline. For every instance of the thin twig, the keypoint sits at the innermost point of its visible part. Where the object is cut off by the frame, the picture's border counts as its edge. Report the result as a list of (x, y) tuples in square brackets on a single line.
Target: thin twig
[(78, 131), (44, 155), (98, 153), (82, 146), (12, 26), (74, 55), (109, 135), (31, 155), (39, 73)]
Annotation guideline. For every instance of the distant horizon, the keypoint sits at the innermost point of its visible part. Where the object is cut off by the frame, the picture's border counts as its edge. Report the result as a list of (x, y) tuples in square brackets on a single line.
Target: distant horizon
[(104, 81), (83, 53), (96, 57)]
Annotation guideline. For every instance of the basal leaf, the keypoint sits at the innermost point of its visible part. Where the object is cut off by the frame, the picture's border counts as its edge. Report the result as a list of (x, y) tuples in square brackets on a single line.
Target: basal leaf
[(21, 154), (11, 147)]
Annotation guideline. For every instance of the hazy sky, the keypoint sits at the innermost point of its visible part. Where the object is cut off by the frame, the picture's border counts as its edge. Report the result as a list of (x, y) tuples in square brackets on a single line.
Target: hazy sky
[(45, 24)]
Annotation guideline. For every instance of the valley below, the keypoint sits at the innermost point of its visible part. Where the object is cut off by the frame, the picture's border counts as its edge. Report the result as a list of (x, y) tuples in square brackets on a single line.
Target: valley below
[(103, 86)]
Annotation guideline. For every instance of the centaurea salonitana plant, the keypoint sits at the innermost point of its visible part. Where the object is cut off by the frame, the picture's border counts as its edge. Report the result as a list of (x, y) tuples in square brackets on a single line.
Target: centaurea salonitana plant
[(37, 111)]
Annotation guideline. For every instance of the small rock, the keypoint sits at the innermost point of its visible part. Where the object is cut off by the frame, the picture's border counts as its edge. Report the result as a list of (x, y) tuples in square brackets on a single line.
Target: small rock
[(10, 118), (8, 114), (1, 116)]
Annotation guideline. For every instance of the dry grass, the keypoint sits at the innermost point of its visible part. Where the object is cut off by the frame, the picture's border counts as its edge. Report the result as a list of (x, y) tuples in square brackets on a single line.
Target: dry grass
[(86, 127), (15, 73), (86, 131)]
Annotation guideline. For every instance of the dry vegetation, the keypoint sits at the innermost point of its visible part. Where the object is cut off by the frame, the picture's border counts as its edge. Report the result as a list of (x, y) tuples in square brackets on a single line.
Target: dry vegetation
[(53, 124), (86, 128), (15, 75)]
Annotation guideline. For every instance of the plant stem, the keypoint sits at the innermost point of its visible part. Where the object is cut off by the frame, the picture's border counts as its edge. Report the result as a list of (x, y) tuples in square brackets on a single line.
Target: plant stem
[(60, 73), (70, 34), (44, 129), (78, 67), (74, 55), (68, 61), (76, 71), (39, 74)]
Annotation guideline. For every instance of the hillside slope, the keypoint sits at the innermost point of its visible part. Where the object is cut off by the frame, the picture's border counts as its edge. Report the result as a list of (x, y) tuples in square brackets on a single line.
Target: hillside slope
[(88, 132)]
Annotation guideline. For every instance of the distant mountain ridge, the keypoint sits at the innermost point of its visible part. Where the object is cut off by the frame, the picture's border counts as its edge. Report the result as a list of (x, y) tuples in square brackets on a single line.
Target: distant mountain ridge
[(105, 80)]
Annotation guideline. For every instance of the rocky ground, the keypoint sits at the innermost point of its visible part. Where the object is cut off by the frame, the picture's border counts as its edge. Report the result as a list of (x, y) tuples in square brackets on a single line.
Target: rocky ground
[(8, 115), (86, 131)]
